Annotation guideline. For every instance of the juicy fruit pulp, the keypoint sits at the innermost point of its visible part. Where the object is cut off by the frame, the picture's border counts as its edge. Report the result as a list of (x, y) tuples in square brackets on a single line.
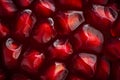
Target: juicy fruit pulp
[(59, 40)]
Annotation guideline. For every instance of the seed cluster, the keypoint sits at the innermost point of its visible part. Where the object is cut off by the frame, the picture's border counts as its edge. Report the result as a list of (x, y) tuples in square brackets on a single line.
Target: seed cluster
[(59, 40)]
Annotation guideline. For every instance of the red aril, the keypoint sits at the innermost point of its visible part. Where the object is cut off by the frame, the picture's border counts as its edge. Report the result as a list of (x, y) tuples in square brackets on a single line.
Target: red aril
[(112, 51), (4, 31), (87, 38), (68, 21), (24, 24), (103, 70), (101, 17), (32, 60), (24, 3), (60, 50), (7, 7), (56, 71), (43, 32), (44, 8), (11, 53), (85, 63)]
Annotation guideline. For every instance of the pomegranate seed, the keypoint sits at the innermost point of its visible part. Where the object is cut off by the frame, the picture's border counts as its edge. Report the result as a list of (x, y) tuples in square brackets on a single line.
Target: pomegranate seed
[(11, 52), (60, 50), (4, 31), (44, 8), (44, 32), (24, 24), (85, 63), (103, 70), (112, 51), (25, 3), (20, 77), (68, 21), (8, 7), (56, 71), (103, 17), (88, 38), (32, 60)]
